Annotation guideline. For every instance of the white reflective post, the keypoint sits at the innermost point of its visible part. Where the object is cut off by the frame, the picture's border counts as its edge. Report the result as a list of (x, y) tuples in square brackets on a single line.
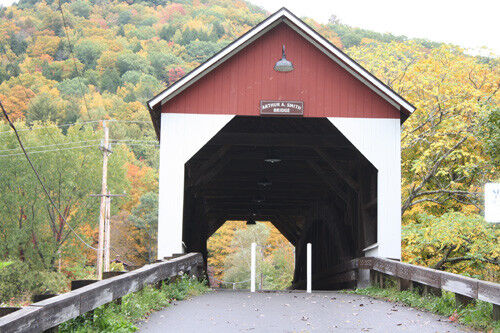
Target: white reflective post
[(252, 268), (309, 267)]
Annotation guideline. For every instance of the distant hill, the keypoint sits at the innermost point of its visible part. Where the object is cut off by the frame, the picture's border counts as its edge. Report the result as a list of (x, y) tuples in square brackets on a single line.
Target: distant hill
[(126, 51)]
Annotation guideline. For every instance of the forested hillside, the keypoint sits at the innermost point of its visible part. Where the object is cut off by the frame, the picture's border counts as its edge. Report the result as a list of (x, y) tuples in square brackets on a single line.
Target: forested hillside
[(65, 62)]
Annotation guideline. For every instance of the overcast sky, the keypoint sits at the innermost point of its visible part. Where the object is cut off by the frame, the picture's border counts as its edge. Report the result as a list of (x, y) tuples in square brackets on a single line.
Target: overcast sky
[(468, 23)]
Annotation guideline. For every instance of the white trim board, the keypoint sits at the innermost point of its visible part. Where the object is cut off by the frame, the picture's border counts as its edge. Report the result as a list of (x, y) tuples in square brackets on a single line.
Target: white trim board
[(284, 15), (379, 140)]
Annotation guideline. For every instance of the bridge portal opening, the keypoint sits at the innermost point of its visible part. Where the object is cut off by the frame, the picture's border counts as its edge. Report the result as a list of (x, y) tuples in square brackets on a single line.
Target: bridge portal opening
[(302, 175), (229, 256)]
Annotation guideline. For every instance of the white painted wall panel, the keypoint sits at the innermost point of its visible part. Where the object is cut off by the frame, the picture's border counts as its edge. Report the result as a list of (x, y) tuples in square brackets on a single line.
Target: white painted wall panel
[(182, 135), (380, 142)]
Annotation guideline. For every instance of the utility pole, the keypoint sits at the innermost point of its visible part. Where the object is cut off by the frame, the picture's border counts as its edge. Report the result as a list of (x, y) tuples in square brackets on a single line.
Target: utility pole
[(104, 190), (107, 229), (107, 233)]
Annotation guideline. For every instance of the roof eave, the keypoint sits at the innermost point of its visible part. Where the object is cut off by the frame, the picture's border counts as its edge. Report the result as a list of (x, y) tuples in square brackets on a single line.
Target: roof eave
[(284, 15)]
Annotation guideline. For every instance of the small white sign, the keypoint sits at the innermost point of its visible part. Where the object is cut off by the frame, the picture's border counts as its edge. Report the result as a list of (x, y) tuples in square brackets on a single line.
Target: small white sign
[(492, 202)]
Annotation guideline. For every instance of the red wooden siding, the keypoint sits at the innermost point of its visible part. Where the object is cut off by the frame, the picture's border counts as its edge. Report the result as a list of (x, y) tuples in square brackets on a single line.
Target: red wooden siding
[(238, 85)]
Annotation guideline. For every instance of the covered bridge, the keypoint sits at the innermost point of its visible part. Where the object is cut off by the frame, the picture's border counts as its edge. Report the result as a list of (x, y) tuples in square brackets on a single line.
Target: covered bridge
[(282, 126)]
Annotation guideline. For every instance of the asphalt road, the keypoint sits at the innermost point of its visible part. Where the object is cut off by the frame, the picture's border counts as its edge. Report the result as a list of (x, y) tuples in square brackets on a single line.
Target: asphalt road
[(238, 311)]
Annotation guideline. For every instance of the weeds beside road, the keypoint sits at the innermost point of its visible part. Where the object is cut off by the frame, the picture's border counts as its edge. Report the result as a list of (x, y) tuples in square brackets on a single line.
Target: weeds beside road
[(476, 315), (135, 307)]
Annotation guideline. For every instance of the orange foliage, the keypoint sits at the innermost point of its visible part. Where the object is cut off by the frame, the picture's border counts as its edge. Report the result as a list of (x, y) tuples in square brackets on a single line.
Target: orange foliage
[(142, 179), (16, 102)]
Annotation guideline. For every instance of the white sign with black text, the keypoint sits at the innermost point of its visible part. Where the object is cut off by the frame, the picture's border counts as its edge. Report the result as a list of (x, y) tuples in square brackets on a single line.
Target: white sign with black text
[(492, 202)]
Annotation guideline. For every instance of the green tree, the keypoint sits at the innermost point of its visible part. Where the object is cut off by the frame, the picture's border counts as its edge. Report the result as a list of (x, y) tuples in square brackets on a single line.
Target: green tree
[(110, 80), (131, 62), (72, 87), (145, 220), (88, 51), (167, 32), (457, 242), (160, 61), (200, 51), (45, 107), (31, 230), (81, 8)]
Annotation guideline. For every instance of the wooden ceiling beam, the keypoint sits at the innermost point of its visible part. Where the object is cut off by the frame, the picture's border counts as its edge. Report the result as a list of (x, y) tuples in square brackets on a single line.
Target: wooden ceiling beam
[(280, 140), (335, 188), (210, 163), (337, 169)]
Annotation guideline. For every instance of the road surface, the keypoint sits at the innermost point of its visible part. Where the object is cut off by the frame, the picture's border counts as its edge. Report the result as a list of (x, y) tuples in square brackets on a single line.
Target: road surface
[(239, 311)]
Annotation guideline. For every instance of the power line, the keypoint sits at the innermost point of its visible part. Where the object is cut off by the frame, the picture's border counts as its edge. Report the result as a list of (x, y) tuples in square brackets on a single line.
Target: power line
[(133, 140), (50, 126), (70, 45), (40, 180), (48, 150), (146, 143), (54, 145), (75, 124), (132, 121)]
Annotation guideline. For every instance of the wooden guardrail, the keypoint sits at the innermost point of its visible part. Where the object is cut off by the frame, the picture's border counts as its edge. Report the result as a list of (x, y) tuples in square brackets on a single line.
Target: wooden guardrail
[(362, 272), (429, 280), (51, 312)]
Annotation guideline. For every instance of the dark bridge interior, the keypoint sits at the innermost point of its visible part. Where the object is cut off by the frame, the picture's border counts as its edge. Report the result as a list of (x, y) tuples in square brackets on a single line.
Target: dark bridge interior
[(301, 174)]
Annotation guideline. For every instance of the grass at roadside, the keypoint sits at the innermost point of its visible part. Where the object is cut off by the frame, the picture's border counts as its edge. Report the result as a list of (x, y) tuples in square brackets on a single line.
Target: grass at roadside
[(122, 318), (476, 315)]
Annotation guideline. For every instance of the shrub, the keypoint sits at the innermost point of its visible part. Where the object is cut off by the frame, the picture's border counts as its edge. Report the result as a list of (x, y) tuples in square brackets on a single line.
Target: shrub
[(18, 280), (121, 318)]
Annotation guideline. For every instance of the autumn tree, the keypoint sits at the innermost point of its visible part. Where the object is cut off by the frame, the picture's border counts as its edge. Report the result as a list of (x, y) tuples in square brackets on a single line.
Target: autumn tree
[(460, 243), (69, 164), (443, 155)]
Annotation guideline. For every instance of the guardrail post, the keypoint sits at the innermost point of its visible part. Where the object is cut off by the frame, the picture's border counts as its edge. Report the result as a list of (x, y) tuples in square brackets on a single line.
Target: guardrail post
[(309, 267), (252, 268), (462, 300), (495, 315), (378, 279), (404, 284), (76, 284), (110, 274), (364, 278), (428, 290)]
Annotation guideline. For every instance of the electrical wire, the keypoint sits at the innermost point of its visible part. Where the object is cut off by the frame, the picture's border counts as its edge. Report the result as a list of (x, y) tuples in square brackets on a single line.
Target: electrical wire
[(131, 121), (40, 180), (11, 124), (48, 150), (133, 140), (51, 126), (54, 145), (70, 45)]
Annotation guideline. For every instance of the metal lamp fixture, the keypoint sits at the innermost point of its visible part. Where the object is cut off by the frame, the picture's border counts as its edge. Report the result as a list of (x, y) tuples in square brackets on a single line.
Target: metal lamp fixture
[(251, 219), (264, 182), (283, 65), (272, 157), (259, 198)]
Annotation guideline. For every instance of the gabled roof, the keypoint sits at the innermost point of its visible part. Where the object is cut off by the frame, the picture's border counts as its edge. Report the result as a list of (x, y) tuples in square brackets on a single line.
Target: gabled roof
[(285, 16)]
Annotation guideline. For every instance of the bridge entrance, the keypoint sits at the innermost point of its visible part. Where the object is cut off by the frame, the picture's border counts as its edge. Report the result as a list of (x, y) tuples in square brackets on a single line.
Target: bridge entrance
[(324, 168), (301, 174), (229, 256)]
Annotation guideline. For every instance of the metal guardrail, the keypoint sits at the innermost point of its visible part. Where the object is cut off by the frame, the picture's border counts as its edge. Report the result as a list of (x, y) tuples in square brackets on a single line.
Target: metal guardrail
[(51, 312)]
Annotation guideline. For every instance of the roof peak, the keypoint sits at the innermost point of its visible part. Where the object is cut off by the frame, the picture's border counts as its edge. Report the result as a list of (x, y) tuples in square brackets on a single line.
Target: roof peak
[(306, 31)]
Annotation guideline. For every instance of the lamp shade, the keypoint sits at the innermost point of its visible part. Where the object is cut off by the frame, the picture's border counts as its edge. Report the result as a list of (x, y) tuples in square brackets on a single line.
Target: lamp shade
[(283, 65)]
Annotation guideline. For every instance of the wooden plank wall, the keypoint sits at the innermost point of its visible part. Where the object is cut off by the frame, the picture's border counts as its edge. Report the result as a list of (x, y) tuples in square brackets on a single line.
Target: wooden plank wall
[(237, 86)]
